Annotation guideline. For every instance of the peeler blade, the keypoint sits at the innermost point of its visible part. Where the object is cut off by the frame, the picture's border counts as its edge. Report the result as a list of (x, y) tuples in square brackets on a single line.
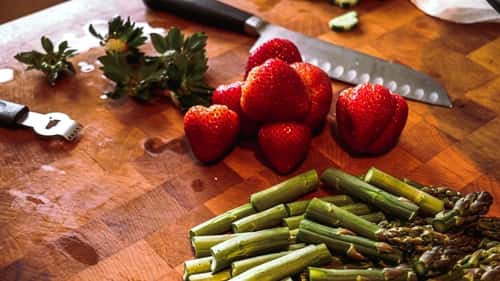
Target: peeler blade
[(52, 124)]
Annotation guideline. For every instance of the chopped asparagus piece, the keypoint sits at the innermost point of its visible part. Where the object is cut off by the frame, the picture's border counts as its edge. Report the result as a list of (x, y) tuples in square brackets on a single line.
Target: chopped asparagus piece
[(208, 276), (344, 22), (222, 223), (355, 187), (291, 264), (249, 245), (285, 191), (428, 203), (261, 220), (299, 207), (196, 266)]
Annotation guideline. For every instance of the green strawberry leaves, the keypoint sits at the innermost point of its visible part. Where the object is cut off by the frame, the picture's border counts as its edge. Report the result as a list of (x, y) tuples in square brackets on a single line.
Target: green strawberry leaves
[(178, 69), (53, 63)]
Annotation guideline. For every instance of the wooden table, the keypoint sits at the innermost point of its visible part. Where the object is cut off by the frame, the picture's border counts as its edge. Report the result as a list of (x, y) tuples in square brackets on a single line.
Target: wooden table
[(117, 204)]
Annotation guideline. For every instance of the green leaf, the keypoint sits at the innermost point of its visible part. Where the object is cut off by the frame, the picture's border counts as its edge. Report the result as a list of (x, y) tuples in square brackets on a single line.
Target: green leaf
[(158, 43), (174, 39), (95, 33), (47, 45)]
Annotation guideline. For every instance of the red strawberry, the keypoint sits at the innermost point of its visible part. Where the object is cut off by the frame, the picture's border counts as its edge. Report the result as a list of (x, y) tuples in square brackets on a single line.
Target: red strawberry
[(230, 96), (370, 118), (211, 131), (320, 89), (284, 145), (275, 92), (275, 48)]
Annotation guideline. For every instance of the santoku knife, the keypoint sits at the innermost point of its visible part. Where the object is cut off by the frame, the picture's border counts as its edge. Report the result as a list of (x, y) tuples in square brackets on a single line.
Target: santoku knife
[(339, 62)]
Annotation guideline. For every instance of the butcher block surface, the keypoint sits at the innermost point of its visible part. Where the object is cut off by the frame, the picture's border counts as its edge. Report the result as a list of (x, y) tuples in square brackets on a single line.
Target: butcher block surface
[(118, 203)]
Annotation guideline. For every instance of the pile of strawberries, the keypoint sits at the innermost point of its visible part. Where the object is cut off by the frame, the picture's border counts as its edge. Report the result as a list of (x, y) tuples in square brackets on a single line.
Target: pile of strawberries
[(282, 101)]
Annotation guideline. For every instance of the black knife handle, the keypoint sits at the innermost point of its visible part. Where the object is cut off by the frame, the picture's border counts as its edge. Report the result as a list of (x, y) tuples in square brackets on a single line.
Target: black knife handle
[(209, 12), (11, 112)]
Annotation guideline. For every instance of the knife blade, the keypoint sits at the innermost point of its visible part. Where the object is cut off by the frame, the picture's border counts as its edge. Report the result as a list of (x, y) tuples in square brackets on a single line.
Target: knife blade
[(340, 63)]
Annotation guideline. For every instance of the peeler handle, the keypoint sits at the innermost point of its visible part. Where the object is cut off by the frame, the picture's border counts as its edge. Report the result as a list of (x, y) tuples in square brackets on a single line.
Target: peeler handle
[(11, 113)]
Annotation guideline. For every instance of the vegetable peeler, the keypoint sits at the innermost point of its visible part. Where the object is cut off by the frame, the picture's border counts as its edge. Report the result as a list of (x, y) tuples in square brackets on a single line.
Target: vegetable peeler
[(50, 124)]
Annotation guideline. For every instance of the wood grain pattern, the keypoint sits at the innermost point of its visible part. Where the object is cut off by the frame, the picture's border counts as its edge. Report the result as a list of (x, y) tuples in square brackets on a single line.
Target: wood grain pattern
[(117, 204)]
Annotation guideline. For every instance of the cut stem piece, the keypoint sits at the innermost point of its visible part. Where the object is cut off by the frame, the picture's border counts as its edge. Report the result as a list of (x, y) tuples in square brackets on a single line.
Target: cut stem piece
[(299, 207), (428, 203), (261, 220), (329, 214), (249, 245), (370, 194), (222, 223), (288, 265), (285, 191)]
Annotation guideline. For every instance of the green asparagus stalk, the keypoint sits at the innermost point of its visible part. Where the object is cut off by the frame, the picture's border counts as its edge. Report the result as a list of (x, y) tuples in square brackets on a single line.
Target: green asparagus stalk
[(249, 245), (337, 246), (329, 214), (294, 222), (467, 210), (208, 276), (447, 194), (437, 260), (285, 191), (196, 266), (368, 193), (375, 217), (342, 242), (386, 274), (296, 246), (427, 203), (288, 265), (222, 223), (261, 220), (241, 266), (202, 244), (360, 209), (287, 279), (299, 207)]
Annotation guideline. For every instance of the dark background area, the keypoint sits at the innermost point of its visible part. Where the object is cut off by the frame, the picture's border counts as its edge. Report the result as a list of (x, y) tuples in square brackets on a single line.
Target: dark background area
[(10, 10)]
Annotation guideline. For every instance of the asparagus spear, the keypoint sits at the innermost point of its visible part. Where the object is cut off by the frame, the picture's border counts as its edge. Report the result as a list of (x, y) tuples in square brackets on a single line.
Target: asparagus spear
[(296, 246), (375, 217), (288, 265), (261, 220), (241, 266), (420, 238), (329, 214), (466, 210), (222, 223), (386, 274), (355, 187), (299, 207), (360, 209), (208, 276), (427, 203), (196, 266), (249, 245), (353, 246), (202, 244), (447, 194), (285, 191), (489, 227)]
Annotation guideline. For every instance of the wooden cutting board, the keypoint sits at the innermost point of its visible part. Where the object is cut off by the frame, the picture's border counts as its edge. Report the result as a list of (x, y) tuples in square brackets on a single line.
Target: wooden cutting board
[(117, 204)]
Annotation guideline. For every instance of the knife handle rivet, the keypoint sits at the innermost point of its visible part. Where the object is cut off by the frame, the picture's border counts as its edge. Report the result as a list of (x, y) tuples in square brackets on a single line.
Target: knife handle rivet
[(363, 78), (419, 93), (404, 90), (433, 97)]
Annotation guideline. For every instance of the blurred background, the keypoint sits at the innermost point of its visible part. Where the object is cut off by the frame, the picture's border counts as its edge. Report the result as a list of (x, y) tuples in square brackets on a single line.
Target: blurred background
[(10, 10)]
